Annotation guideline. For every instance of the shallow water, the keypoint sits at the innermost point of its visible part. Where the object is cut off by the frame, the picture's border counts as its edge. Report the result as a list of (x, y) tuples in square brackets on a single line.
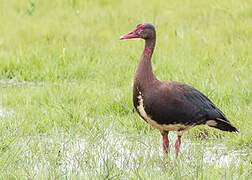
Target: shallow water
[(8, 83), (5, 111), (1, 110), (221, 156), (80, 154)]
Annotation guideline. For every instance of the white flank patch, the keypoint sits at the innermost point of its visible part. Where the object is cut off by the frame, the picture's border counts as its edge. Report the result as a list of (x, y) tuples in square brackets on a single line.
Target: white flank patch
[(211, 123), (164, 127)]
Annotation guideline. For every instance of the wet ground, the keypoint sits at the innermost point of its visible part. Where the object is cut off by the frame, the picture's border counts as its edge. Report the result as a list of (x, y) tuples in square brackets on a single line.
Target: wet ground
[(82, 153), (95, 151)]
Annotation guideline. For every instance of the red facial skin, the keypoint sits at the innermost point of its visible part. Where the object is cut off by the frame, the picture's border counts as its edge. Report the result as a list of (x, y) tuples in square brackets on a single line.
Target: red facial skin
[(134, 33)]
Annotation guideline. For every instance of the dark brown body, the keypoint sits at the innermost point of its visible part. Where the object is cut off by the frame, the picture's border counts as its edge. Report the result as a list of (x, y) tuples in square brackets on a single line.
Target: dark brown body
[(176, 103), (170, 106)]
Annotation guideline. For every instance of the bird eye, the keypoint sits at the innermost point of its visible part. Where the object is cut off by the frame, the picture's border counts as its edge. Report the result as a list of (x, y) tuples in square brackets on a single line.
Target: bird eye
[(140, 32)]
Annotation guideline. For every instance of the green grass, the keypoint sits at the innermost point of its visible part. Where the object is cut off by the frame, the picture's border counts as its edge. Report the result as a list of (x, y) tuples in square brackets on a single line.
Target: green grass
[(66, 88)]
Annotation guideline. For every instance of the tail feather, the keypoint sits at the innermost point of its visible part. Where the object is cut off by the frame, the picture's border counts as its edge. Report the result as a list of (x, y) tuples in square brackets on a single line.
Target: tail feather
[(221, 124)]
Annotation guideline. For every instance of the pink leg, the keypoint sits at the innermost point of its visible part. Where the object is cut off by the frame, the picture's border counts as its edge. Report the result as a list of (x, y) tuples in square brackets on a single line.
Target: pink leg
[(177, 145), (165, 142)]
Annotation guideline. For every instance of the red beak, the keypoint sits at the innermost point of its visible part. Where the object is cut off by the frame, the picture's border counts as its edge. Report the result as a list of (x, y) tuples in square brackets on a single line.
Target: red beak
[(130, 35)]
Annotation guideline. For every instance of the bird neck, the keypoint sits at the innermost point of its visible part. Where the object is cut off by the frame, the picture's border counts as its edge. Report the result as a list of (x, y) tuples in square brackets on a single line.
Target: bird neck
[(144, 73)]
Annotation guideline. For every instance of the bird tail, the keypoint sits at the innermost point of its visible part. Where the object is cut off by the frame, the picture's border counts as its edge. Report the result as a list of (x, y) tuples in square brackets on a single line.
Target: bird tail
[(221, 124)]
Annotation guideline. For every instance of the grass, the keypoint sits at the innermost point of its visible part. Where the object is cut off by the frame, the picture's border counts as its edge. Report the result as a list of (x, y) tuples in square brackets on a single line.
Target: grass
[(66, 88)]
